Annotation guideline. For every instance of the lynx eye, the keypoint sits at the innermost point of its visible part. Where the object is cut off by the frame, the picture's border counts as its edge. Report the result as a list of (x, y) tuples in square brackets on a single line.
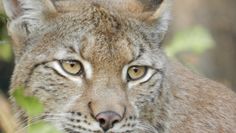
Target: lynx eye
[(72, 67), (136, 72)]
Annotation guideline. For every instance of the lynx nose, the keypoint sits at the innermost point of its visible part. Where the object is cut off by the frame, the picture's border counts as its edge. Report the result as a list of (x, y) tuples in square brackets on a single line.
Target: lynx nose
[(108, 119)]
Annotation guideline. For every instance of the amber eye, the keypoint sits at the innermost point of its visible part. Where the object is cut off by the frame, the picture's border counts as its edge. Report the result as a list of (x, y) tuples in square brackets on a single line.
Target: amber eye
[(72, 67), (136, 72)]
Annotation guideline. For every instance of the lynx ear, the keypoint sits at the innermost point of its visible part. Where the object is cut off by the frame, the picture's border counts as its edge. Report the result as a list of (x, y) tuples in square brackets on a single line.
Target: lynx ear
[(146, 10), (154, 9), (29, 11), (18, 8), (155, 13), (25, 17)]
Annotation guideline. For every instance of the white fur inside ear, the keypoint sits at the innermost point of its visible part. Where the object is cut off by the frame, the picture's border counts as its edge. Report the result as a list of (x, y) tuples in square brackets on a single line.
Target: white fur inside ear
[(22, 8), (10, 9), (26, 16)]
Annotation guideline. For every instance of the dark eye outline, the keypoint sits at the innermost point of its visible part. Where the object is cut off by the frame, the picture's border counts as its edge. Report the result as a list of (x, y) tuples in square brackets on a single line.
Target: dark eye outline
[(75, 61), (131, 79)]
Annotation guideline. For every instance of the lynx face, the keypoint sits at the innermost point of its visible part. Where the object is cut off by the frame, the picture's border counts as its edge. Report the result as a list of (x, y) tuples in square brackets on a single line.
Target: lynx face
[(97, 66)]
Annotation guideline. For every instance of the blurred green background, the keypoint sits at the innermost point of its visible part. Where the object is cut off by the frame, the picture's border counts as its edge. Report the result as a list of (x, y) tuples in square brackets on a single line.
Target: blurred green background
[(6, 56), (202, 36)]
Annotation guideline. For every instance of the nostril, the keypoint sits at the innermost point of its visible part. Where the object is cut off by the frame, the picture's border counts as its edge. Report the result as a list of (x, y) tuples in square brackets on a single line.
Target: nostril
[(113, 123), (102, 121), (108, 119)]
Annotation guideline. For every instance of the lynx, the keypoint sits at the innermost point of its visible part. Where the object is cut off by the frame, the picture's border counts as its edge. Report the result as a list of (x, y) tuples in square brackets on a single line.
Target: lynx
[(98, 67)]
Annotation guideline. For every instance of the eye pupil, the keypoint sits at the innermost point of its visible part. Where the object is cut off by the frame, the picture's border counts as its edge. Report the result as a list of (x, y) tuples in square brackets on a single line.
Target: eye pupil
[(136, 72), (71, 67)]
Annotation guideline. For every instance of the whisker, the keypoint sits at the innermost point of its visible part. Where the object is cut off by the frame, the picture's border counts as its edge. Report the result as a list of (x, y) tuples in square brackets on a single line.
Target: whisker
[(35, 122), (48, 117), (146, 127)]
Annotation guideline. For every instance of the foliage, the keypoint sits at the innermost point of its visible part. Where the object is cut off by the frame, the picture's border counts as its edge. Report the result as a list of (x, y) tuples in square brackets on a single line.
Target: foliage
[(189, 46), (30, 104), (3, 18), (42, 127), (5, 51), (195, 40), (33, 107), (5, 48)]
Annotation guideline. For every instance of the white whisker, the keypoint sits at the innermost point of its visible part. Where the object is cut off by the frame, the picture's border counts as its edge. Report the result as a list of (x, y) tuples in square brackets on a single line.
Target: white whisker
[(147, 128)]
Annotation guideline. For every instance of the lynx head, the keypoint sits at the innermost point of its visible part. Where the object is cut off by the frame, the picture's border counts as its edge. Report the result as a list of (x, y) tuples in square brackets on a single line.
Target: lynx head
[(96, 65)]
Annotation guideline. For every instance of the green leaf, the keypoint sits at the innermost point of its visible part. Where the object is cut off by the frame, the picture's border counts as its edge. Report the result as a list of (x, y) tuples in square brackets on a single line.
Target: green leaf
[(196, 40), (5, 51), (42, 127), (31, 105), (3, 17)]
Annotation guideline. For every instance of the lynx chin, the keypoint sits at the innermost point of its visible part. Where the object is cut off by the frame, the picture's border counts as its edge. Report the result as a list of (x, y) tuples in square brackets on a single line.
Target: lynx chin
[(98, 67)]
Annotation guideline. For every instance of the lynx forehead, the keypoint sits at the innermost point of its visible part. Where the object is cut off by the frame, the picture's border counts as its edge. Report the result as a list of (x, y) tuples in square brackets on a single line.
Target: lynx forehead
[(98, 67)]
